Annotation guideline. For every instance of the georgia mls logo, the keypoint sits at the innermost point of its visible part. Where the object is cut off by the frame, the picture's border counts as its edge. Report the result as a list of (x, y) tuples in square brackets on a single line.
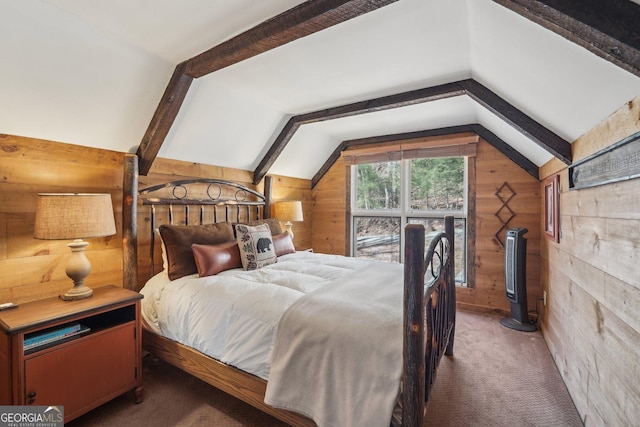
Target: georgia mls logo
[(56, 411), (31, 416)]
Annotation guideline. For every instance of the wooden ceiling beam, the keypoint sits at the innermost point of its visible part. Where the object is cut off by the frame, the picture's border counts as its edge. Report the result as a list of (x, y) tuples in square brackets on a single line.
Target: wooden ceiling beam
[(378, 104), (518, 120), (298, 22), (507, 112), (305, 19), (607, 28), (163, 118), (478, 129)]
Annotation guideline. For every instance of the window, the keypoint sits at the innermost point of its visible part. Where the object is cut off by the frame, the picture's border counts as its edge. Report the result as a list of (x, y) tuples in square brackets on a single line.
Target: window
[(387, 195)]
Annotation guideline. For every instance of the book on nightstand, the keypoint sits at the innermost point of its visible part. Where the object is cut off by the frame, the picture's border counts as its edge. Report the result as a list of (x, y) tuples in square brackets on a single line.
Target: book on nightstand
[(54, 335)]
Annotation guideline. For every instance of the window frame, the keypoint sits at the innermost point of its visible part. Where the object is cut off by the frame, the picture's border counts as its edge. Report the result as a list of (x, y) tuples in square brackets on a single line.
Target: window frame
[(405, 213)]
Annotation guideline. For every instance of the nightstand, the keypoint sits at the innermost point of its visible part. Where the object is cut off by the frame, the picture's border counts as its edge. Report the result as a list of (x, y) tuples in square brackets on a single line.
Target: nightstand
[(80, 370)]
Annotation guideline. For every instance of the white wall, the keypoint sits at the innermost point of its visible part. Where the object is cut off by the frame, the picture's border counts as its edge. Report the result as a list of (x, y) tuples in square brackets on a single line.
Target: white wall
[(63, 80)]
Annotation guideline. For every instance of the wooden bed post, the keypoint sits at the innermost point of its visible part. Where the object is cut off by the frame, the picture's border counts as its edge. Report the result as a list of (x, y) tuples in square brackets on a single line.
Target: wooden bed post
[(449, 229), (429, 315), (413, 391), (130, 222), (268, 192)]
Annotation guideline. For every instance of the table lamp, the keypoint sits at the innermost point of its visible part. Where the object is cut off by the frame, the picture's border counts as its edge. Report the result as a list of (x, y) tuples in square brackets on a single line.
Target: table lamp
[(62, 216), (288, 211)]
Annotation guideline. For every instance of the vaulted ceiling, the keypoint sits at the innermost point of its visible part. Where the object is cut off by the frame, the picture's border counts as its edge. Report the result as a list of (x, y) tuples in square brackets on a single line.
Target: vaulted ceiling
[(212, 82)]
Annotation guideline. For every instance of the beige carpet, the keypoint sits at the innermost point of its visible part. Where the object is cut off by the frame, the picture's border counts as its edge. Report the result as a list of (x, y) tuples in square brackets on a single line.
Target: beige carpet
[(497, 377)]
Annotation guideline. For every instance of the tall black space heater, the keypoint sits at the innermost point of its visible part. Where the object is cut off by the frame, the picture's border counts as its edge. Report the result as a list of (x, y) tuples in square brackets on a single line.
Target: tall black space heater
[(515, 267)]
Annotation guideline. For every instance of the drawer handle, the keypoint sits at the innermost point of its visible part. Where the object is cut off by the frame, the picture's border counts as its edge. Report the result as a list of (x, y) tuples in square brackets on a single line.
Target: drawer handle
[(32, 397)]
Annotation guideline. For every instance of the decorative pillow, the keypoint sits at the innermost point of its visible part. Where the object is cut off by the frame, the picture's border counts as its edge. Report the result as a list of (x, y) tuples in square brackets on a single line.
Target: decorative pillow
[(212, 259), (274, 225), (179, 238), (283, 244), (256, 246)]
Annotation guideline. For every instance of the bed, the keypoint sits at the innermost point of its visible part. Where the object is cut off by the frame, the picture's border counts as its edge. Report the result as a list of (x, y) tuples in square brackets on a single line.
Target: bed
[(262, 329)]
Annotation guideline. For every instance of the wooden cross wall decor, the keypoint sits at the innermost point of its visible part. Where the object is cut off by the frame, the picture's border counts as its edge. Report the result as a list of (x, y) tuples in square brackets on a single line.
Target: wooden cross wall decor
[(505, 214)]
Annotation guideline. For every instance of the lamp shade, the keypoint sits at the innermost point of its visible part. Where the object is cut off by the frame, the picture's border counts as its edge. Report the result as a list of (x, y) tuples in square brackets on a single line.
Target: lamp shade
[(73, 216), (288, 211)]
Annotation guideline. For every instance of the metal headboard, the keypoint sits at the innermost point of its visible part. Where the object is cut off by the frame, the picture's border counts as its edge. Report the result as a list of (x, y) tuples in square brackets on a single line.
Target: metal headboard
[(210, 196)]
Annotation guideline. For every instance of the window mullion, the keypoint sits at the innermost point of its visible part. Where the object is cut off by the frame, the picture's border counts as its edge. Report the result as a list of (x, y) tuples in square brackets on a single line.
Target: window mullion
[(405, 183)]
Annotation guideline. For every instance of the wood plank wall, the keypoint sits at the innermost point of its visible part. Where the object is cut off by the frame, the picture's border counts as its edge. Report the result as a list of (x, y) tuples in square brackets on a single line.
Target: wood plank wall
[(330, 211), (493, 169), (32, 269), (592, 279)]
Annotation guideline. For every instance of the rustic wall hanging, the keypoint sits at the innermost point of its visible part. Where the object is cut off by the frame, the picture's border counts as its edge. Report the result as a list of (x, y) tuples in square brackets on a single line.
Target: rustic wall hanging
[(505, 214), (619, 162)]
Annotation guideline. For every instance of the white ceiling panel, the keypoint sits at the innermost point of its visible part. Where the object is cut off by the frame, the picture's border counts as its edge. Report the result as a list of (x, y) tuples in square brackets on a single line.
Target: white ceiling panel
[(520, 142), (390, 50), (560, 84), (62, 80), (92, 73), (174, 30), (221, 125), (365, 58)]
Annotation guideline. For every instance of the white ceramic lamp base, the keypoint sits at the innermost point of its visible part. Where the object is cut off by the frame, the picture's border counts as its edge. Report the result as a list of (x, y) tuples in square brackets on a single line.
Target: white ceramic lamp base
[(78, 269)]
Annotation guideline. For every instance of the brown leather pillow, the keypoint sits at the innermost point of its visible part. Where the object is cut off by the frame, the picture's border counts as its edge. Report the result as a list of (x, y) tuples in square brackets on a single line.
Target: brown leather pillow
[(178, 239), (212, 259), (283, 244)]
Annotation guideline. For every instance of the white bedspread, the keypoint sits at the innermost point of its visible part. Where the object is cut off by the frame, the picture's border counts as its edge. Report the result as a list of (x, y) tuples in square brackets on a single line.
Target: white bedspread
[(337, 354), (232, 316)]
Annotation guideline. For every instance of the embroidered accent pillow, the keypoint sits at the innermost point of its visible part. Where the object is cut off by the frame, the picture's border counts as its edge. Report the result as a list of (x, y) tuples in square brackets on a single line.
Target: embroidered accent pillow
[(256, 246)]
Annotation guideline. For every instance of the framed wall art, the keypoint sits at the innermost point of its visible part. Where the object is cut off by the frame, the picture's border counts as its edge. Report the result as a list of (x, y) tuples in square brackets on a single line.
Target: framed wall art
[(552, 208)]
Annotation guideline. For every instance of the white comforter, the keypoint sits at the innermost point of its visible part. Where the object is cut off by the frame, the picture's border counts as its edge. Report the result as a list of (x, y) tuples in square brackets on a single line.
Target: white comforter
[(233, 317)]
